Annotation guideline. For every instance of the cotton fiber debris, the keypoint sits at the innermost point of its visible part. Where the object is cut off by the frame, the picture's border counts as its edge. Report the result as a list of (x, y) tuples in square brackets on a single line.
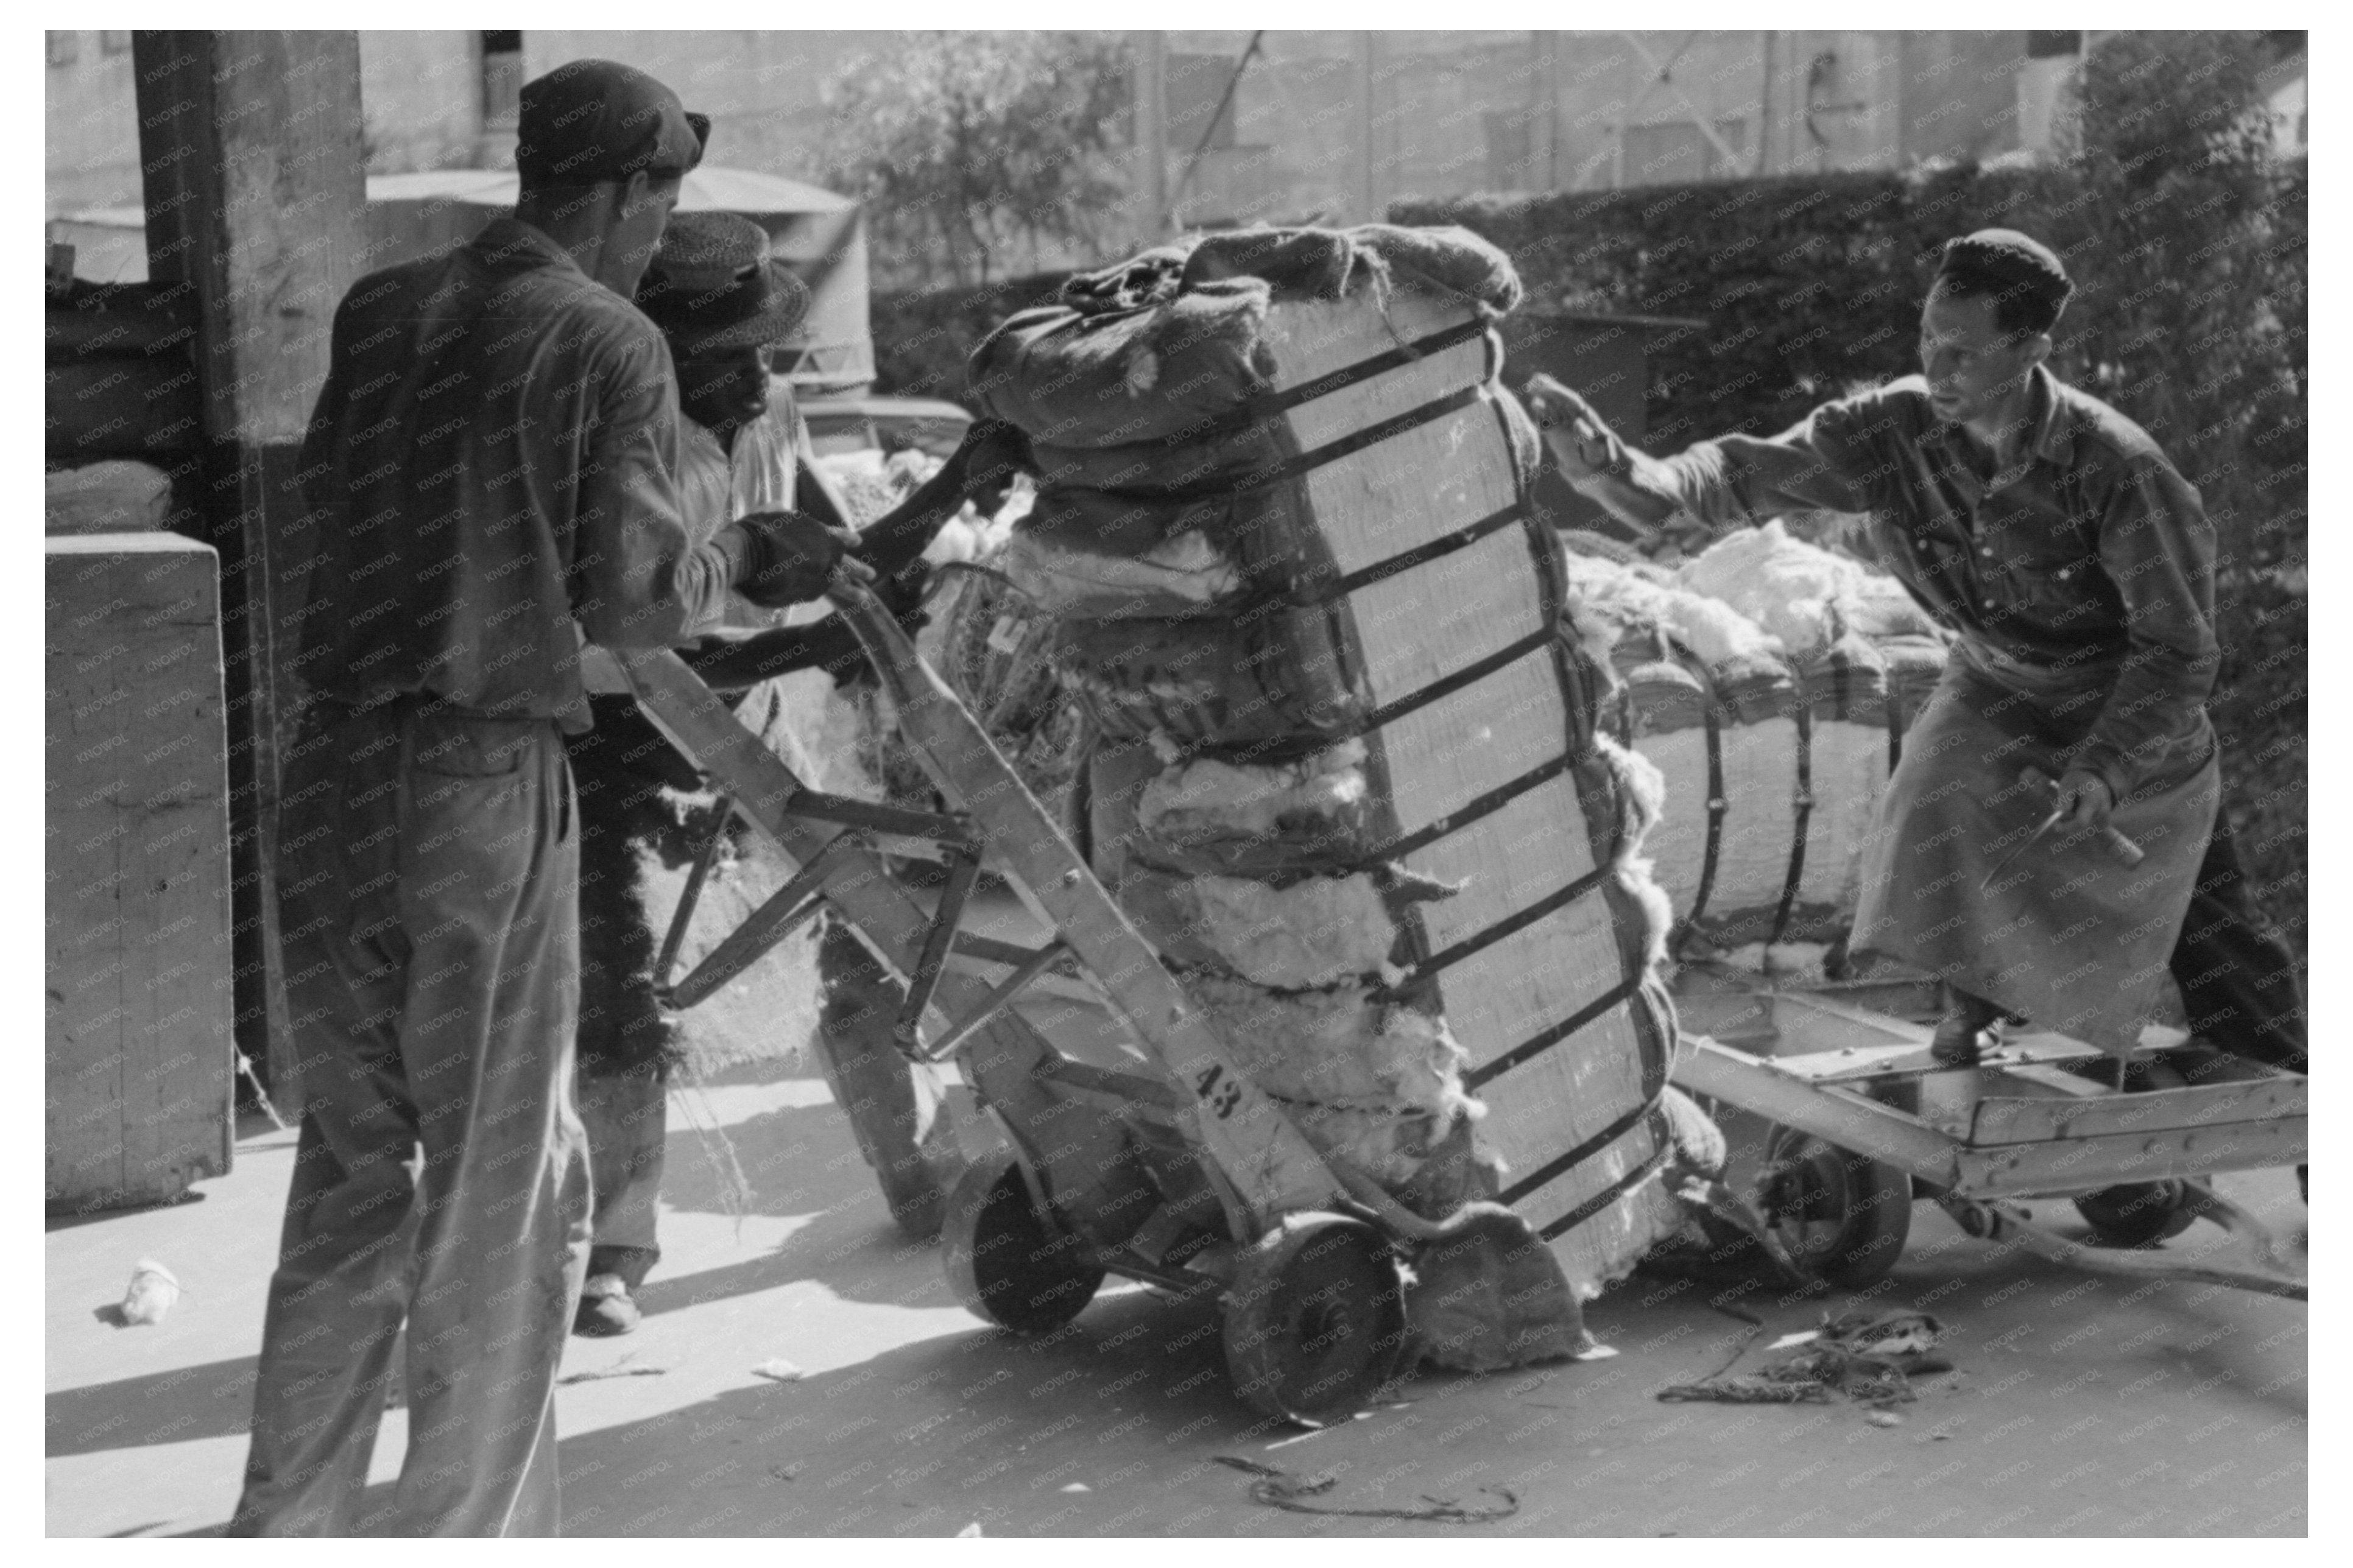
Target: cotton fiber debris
[(871, 484), (1798, 592), (1715, 664), (1617, 602)]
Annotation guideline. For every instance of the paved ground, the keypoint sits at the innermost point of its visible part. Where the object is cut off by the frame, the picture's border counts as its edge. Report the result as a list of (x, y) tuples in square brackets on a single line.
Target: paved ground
[(2082, 1406)]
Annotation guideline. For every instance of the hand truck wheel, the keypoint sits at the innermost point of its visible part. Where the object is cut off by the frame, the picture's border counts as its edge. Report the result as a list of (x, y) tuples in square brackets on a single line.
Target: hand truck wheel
[(872, 1082), (2138, 1213), (1835, 1217), (1009, 1263), (1315, 1320)]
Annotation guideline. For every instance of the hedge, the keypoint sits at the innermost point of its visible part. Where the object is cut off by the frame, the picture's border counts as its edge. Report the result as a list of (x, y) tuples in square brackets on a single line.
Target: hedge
[(921, 340)]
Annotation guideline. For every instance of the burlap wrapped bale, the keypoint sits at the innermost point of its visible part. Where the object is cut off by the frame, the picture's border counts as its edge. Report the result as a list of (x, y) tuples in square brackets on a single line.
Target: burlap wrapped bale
[(1347, 775)]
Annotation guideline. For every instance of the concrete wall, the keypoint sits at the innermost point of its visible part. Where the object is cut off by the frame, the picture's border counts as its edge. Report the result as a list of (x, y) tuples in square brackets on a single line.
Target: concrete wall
[(420, 93), (422, 96), (91, 132)]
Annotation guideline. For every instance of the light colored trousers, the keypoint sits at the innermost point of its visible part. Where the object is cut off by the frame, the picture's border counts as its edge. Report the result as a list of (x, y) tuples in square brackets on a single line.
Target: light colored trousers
[(427, 887)]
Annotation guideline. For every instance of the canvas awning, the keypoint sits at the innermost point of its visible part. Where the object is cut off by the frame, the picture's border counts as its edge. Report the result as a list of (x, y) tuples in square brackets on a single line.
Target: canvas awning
[(820, 234)]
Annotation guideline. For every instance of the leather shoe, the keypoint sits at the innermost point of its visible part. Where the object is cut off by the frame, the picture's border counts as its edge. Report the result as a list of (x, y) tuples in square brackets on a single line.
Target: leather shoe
[(1966, 1029), (605, 1309)]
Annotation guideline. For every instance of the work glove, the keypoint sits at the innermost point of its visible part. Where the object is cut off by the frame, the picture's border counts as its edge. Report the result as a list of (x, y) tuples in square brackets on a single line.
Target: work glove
[(902, 593), (2085, 797), (787, 557), (1580, 440), (992, 452), (1588, 451)]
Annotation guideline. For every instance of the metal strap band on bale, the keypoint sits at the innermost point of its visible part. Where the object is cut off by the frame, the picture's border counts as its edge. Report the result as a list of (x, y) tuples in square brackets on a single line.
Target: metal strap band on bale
[(1536, 1045), (1717, 802), (1444, 686), (1805, 811), (1307, 462), (1553, 1170), (1472, 810), (1421, 554), (1364, 370), (1618, 1188), (1447, 685), (1559, 899)]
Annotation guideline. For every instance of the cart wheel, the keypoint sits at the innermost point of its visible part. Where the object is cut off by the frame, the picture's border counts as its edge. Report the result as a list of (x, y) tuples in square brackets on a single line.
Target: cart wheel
[(2138, 1213), (1835, 1217), (1006, 1262), (874, 1084), (1315, 1319)]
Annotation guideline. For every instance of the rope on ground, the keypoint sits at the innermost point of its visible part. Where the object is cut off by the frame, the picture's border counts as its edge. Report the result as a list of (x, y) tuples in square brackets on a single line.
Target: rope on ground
[(736, 1194), (1281, 1488), (1866, 1358)]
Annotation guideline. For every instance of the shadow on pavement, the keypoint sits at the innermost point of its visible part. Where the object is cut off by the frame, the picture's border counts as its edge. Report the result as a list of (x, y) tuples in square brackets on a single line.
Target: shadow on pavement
[(213, 1400), (801, 1164), (926, 1439)]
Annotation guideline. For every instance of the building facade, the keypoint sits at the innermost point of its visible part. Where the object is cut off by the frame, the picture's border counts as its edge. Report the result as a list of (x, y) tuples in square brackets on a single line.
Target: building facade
[(1276, 126)]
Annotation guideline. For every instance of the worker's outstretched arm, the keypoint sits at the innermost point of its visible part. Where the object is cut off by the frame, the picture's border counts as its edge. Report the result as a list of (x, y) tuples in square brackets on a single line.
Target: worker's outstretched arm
[(1711, 485), (982, 466), (1629, 485)]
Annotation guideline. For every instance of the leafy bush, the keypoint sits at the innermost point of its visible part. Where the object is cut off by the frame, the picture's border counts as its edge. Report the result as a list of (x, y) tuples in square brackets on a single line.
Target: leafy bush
[(971, 149), (921, 340)]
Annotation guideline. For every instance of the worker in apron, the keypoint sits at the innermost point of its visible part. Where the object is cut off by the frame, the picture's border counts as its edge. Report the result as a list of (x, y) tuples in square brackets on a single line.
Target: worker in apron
[(491, 467), (2076, 566)]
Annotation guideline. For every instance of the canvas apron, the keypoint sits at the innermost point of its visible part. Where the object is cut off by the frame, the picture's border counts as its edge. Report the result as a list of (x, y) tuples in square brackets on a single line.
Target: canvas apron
[(2067, 937)]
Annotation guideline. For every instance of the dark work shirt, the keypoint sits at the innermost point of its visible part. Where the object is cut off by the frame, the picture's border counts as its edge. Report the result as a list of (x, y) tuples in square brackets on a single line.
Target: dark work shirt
[(2091, 552), (493, 456)]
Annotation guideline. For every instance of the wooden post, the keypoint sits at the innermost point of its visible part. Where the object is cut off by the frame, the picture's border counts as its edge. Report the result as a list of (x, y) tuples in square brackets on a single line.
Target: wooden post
[(1547, 120), (1152, 133), (256, 190)]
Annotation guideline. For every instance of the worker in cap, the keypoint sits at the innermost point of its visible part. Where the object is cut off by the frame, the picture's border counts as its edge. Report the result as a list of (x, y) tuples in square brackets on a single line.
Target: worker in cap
[(2075, 567), (492, 466), (723, 303)]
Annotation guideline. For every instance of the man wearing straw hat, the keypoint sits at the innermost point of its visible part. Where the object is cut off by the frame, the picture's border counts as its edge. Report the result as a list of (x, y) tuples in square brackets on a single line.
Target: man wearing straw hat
[(721, 300)]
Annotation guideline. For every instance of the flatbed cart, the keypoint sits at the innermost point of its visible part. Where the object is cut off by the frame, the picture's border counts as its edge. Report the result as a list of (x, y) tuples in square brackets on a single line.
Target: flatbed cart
[(1848, 1118), (1174, 1168)]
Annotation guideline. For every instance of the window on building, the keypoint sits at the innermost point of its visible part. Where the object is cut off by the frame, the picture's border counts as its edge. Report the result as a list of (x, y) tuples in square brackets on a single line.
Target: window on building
[(502, 79), (64, 49), (1676, 152), (1194, 85)]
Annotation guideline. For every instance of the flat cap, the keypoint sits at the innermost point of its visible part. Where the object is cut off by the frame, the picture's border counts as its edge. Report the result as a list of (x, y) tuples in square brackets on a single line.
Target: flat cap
[(591, 120), (2010, 265)]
